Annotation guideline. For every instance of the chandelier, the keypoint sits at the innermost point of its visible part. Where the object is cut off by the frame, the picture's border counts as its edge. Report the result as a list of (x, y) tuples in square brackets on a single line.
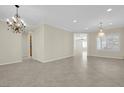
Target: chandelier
[(16, 24), (101, 33)]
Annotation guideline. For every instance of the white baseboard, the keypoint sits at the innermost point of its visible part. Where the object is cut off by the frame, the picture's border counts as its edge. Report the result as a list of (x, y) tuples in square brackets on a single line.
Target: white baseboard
[(11, 62), (107, 57), (55, 59), (26, 57)]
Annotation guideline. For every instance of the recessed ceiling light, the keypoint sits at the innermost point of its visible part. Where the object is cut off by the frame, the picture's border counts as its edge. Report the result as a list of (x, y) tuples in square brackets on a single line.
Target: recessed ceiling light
[(74, 21), (109, 10), (110, 23), (86, 28)]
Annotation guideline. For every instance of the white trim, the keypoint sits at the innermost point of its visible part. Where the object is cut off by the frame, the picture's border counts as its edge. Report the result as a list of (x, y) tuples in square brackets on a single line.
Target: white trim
[(107, 56), (27, 57), (54, 59), (12, 62)]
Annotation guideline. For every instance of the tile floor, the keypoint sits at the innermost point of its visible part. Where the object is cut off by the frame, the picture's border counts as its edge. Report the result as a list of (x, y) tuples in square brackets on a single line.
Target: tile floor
[(69, 72)]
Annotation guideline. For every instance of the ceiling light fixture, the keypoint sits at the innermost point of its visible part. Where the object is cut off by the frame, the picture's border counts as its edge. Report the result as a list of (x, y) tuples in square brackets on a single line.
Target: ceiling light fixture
[(16, 23), (110, 23), (101, 33), (86, 28), (109, 10), (74, 21)]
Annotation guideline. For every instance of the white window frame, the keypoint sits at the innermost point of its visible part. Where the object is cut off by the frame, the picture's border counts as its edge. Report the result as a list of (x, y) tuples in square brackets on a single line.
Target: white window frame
[(109, 42)]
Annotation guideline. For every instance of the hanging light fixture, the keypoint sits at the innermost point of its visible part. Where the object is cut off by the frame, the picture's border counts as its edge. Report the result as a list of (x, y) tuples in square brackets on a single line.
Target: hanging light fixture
[(16, 23), (101, 33)]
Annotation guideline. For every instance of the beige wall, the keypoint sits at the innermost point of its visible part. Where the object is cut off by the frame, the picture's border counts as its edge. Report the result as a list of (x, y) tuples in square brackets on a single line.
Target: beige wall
[(50, 43), (10, 46), (38, 43), (92, 51), (58, 43), (25, 45)]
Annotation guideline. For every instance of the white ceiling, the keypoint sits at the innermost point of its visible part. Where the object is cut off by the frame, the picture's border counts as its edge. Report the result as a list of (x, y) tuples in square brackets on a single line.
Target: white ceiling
[(62, 16)]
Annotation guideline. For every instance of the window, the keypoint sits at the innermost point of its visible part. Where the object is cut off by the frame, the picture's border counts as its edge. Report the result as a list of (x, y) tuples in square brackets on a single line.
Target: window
[(109, 42)]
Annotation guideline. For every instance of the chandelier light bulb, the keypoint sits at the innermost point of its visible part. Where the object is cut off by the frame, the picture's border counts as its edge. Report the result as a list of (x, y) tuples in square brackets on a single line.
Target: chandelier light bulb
[(101, 30), (14, 19), (10, 23), (7, 20), (22, 21), (24, 24), (101, 34)]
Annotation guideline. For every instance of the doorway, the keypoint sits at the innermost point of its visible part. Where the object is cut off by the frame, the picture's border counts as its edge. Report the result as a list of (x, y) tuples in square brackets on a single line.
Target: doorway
[(30, 45), (81, 47), (80, 43)]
